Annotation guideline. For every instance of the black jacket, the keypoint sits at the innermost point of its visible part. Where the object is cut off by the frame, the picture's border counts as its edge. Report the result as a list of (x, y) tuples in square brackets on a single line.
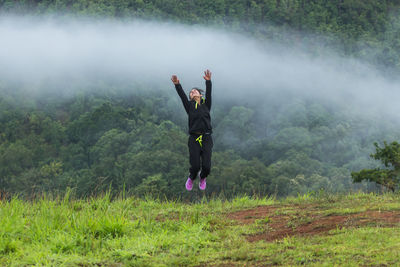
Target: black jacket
[(199, 115)]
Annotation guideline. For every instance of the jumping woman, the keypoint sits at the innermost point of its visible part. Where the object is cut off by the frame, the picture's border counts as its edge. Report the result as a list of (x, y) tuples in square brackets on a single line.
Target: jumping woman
[(200, 141)]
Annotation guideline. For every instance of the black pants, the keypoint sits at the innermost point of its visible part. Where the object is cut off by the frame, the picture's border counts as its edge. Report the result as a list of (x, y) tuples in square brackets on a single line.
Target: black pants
[(197, 152)]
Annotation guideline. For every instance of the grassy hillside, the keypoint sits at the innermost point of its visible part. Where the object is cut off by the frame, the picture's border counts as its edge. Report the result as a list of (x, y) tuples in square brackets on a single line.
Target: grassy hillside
[(319, 229)]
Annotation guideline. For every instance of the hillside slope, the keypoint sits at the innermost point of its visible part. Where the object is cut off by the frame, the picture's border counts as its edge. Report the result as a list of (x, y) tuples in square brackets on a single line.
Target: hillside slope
[(345, 230)]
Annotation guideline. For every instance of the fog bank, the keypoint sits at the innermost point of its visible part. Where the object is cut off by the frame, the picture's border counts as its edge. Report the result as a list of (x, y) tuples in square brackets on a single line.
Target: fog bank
[(37, 50)]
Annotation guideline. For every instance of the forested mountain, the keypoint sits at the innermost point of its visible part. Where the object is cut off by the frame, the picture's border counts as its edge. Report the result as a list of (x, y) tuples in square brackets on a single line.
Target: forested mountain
[(109, 138)]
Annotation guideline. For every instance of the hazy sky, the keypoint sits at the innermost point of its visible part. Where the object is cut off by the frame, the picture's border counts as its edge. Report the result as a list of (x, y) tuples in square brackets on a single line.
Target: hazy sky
[(33, 50)]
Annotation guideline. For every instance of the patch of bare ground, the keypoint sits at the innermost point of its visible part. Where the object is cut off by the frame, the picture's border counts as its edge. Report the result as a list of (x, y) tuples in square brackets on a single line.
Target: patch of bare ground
[(307, 222), (232, 264)]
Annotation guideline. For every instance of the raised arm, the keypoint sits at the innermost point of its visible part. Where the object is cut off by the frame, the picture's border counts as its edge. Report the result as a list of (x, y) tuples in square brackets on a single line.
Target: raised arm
[(207, 77), (180, 92)]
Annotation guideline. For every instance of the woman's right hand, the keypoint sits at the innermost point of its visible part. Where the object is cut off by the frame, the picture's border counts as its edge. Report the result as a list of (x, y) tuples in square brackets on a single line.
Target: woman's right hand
[(174, 79), (207, 75)]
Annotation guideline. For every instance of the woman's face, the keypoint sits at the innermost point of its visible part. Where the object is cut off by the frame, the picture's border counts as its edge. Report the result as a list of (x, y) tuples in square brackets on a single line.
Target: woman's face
[(194, 93)]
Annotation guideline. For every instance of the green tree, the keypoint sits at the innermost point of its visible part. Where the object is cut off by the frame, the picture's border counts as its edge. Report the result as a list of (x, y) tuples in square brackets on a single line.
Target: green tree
[(154, 185), (389, 155)]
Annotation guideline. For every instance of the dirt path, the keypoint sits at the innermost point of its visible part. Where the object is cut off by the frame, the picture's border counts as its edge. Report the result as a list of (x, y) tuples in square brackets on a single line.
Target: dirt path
[(307, 220)]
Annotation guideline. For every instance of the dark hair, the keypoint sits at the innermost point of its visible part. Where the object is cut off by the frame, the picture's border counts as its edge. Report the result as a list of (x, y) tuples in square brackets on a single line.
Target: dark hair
[(198, 90)]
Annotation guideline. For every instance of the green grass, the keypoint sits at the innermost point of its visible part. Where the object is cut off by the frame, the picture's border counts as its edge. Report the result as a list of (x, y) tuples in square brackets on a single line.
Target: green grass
[(151, 232)]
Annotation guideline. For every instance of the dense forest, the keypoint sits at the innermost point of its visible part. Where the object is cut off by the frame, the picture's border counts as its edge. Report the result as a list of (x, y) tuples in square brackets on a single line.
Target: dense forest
[(109, 138)]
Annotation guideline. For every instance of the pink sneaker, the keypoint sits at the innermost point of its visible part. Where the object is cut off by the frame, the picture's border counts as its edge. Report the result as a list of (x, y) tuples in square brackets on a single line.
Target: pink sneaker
[(189, 184), (202, 184)]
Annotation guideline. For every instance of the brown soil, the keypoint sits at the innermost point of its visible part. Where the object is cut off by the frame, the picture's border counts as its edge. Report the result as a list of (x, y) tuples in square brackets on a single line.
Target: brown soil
[(305, 223)]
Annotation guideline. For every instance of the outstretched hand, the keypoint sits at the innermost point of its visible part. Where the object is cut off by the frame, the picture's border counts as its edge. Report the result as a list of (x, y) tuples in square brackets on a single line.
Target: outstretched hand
[(207, 75), (175, 79)]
